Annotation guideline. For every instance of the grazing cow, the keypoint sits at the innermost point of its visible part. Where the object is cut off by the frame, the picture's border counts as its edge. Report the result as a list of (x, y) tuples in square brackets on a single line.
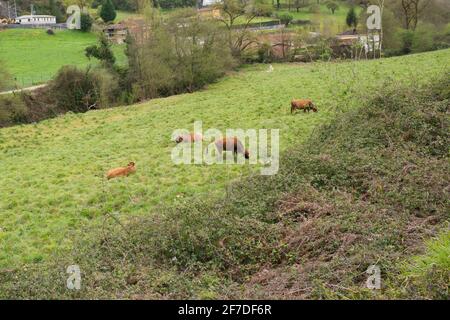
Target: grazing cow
[(191, 137), (231, 144), (302, 104), (122, 171)]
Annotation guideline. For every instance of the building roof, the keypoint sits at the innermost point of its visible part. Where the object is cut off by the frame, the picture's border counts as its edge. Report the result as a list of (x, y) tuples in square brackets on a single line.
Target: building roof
[(117, 26), (35, 16), (348, 32), (206, 3)]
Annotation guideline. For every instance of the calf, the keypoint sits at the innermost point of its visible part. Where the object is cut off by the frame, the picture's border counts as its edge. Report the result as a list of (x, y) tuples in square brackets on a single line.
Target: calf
[(122, 171), (231, 144), (302, 104)]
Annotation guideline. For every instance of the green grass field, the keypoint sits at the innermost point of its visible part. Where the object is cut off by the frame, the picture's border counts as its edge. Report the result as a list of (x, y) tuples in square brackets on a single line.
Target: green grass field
[(53, 181), (323, 21), (31, 56)]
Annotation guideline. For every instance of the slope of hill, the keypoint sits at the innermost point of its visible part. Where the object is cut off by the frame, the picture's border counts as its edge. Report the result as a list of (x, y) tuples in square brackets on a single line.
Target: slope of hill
[(362, 192), (53, 171)]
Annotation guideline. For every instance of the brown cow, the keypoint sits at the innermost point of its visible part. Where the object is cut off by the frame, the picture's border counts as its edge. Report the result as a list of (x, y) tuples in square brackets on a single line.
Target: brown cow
[(191, 137), (121, 171), (231, 144), (302, 104)]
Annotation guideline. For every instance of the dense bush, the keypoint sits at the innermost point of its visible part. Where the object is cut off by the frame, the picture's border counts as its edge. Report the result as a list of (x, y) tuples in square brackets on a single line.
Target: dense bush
[(158, 67), (82, 90), (426, 37), (125, 5), (12, 110), (285, 18), (86, 22)]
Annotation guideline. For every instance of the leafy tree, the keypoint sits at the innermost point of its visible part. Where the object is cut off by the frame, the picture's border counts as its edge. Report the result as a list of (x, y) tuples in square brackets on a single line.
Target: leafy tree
[(102, 51), (333, 6), (285, 18), (107, 11), (86, 22), (300, 4), (55, 10), (352, 19)]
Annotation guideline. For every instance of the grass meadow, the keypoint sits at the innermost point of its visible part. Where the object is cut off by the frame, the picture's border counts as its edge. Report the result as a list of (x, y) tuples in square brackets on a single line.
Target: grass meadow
[(53, 182), (32, 56)]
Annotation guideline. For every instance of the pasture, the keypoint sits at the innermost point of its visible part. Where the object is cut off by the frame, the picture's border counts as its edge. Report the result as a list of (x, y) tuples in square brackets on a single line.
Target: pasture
[(53, 182), (32, 56)]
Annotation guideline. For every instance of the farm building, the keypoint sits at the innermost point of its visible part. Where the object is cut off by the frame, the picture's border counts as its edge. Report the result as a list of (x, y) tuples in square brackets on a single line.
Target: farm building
[(36, 19), (116, 33), (206, 3), (351, 37), (209, 12)]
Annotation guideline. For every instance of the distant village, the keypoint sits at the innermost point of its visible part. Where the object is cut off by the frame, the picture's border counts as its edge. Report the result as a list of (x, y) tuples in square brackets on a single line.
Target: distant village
[(8, 16), (117, 32)]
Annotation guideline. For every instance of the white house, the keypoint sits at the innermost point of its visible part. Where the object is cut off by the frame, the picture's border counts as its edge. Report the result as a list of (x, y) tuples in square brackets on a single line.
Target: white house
[(206, 3), (36, 19)]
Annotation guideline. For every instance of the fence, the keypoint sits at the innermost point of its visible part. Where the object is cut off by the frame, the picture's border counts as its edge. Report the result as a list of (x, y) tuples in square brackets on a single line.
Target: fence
[(59, 26), (29, 81)]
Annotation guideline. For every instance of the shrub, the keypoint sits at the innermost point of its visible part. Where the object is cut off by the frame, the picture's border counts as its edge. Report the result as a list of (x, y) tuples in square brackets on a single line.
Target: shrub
[(79, 91), (12, 110), (107, 11), (264, 52), (407, 38), (102, 51), (285, 18), (158, 68), (352, 18), (86, 22)]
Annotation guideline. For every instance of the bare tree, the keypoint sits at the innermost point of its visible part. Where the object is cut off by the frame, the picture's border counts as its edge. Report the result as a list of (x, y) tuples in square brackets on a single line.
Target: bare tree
[(412, 9), (239, 36)]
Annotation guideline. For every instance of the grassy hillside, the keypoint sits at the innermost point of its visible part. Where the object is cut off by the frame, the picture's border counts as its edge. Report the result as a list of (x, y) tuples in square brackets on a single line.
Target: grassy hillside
[(53, 171), (364, 189), (32, 56), (329, 22)]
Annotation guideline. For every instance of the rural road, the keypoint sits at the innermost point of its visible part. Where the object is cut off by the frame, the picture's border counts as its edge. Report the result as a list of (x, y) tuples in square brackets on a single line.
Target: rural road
[(24, 89)]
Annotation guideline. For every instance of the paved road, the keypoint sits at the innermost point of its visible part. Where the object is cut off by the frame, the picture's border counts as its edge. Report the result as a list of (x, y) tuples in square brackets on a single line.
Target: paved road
[(24, 89)]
